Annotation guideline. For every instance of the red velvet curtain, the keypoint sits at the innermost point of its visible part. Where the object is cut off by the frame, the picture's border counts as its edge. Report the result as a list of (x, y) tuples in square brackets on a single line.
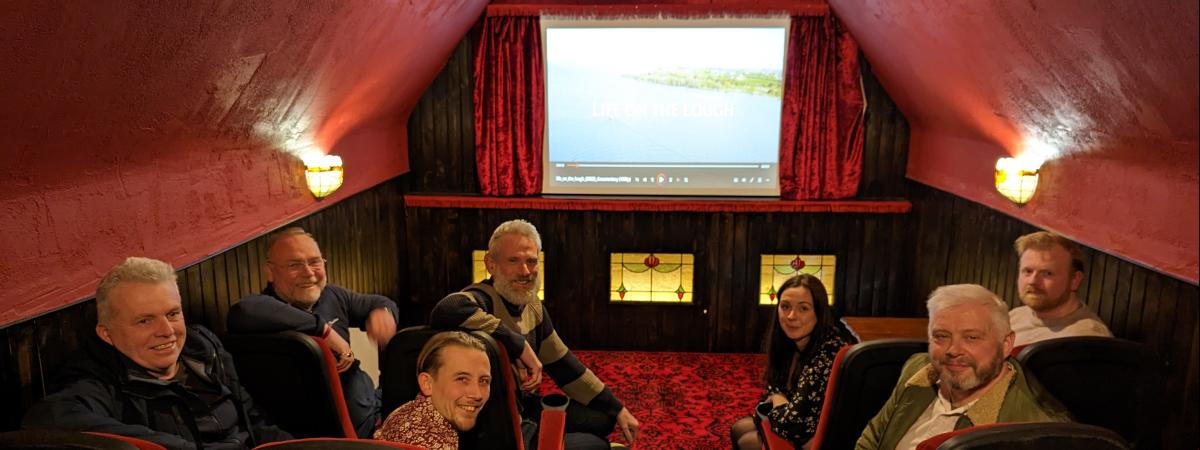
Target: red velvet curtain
[(820, 152), (509, 106)]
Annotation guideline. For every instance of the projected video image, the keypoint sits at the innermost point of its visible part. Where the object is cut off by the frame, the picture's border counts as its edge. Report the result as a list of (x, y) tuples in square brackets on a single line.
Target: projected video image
[(665, 96)]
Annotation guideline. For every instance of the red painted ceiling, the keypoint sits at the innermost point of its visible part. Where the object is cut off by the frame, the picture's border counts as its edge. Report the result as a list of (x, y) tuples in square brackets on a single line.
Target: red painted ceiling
[(170, 129), (1110, 85)]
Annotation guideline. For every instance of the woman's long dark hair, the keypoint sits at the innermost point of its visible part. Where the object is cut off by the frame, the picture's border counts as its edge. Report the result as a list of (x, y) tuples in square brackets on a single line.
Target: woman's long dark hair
[(781, 349)]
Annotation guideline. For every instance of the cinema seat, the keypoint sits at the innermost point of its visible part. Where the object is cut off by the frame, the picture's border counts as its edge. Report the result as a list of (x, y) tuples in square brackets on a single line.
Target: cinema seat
[(1027, 436), (139, 443), (294, 381), (770, 440), (336, 444), (553, 421), (861, 381), (1107, 382), (499, 423), (71, 440)]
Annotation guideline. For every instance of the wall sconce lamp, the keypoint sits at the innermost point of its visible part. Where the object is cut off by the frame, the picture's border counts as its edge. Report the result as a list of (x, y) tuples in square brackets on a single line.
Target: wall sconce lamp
[(1017, 179), (323, 173)]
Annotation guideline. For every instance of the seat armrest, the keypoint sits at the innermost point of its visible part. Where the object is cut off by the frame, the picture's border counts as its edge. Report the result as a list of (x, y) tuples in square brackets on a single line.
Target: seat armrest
[(553, 422)]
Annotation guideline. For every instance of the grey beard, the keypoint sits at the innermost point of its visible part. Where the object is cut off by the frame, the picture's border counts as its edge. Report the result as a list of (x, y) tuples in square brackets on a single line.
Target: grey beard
[(986, 375), (516, 297), (303, 304)]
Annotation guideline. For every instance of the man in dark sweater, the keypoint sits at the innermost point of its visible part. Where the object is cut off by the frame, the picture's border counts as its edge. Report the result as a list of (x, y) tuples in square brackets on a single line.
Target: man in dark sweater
[(145, 374), (299, 298), (507, 307)]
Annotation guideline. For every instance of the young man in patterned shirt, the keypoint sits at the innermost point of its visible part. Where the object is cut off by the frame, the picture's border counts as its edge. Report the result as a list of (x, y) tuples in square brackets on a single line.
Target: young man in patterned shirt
[(455, 380)]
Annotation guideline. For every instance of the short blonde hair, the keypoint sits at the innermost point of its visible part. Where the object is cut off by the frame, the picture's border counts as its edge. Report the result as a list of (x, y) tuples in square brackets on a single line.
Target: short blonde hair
[(1045, 240), (515, 226), (970, 294), (135, 269), (430, 359)]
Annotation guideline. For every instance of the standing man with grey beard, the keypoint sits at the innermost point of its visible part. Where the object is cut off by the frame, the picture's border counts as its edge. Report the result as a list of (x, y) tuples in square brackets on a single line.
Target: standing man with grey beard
[(965, 380), (299, 298), (507, 307)]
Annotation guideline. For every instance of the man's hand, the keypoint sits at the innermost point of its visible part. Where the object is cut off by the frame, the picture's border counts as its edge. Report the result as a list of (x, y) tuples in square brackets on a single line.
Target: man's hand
[(529, 368), (628, 425), (381, 326), (777, 399), (341, 350)]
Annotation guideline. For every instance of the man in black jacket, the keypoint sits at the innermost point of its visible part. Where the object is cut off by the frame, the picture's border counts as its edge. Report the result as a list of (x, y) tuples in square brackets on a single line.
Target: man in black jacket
[(147, 375), (300, 298)]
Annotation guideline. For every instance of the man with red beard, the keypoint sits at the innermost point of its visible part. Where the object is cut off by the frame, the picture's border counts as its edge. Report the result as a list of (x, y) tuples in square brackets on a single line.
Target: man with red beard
[(298, 297), (507, 307), (1050, 272), (965, 379), (145, 375)]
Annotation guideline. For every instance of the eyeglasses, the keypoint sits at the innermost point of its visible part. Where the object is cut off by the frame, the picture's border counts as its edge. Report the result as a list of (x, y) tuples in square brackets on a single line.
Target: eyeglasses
[(297, 266)]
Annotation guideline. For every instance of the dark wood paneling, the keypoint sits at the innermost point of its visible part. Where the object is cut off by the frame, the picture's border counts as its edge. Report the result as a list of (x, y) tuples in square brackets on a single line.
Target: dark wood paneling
[(441, 145), (885, 142), (724, 316), (362, 237), (959, 241)]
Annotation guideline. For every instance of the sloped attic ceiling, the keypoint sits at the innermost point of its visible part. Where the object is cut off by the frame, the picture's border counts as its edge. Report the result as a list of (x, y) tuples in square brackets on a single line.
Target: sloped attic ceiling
[(1107, 87)]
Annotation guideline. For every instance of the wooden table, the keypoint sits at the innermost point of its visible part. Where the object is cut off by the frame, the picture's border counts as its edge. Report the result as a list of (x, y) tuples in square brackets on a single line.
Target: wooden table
[(872, 328)]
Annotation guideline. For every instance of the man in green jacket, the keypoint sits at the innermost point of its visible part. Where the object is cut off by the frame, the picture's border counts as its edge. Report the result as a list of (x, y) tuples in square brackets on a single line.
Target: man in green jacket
[(966, 379)]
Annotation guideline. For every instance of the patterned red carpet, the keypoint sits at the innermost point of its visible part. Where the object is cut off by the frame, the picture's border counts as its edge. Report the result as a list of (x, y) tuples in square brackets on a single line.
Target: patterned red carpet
[(683, 400)]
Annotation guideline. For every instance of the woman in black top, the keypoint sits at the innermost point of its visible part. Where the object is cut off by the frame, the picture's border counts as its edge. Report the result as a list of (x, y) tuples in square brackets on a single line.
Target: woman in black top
[(801, 345)]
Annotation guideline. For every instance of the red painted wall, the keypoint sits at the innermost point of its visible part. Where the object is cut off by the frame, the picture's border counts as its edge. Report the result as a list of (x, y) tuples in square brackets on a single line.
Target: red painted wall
[(169, 129), (1112, 84)]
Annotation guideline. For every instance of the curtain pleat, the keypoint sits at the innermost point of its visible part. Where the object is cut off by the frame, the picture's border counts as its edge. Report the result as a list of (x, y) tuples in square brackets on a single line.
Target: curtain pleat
[(509, 106), (821, 142)]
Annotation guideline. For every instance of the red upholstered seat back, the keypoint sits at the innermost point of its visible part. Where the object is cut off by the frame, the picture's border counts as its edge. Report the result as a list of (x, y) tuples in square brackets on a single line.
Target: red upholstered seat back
[(861, 380), (141, 444), (335, 444), (934, 442), (830, 388), (293, 379), (1027, 436), (774, 441)]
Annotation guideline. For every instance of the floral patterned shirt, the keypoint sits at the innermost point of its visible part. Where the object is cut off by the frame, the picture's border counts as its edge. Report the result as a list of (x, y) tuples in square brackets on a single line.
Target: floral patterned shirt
[(797, 419), (418, 423)]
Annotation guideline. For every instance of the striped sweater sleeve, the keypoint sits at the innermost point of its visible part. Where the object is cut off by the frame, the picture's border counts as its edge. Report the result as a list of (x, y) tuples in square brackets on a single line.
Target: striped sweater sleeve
[(577, 381), (462, 310)]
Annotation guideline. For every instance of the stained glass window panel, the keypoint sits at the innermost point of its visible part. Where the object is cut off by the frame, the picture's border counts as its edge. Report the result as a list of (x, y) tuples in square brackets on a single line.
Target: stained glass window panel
[(651, 277), (778, 268), (479, 270)]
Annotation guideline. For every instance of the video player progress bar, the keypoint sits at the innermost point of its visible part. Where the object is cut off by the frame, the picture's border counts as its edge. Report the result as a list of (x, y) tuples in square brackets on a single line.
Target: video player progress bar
[(668, 166)]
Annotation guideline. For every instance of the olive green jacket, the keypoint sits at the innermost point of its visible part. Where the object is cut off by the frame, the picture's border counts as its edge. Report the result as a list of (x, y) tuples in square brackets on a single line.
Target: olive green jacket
[(1022, 399)]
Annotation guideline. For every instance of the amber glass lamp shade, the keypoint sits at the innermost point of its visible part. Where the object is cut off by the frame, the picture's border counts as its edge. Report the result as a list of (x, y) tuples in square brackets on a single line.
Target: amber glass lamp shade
[(324, 174), (1015, 181)]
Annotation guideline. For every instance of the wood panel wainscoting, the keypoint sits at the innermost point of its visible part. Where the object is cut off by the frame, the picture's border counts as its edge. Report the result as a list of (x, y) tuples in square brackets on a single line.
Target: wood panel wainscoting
[(362, 237), (960, 241), (724, 315)]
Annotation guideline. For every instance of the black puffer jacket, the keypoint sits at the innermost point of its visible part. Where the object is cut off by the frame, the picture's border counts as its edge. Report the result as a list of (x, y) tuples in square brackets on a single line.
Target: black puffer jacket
[(106, 392)]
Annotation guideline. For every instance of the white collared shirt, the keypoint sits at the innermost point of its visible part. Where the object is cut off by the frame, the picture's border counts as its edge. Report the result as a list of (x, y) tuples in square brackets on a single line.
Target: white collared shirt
[(940, 417)]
